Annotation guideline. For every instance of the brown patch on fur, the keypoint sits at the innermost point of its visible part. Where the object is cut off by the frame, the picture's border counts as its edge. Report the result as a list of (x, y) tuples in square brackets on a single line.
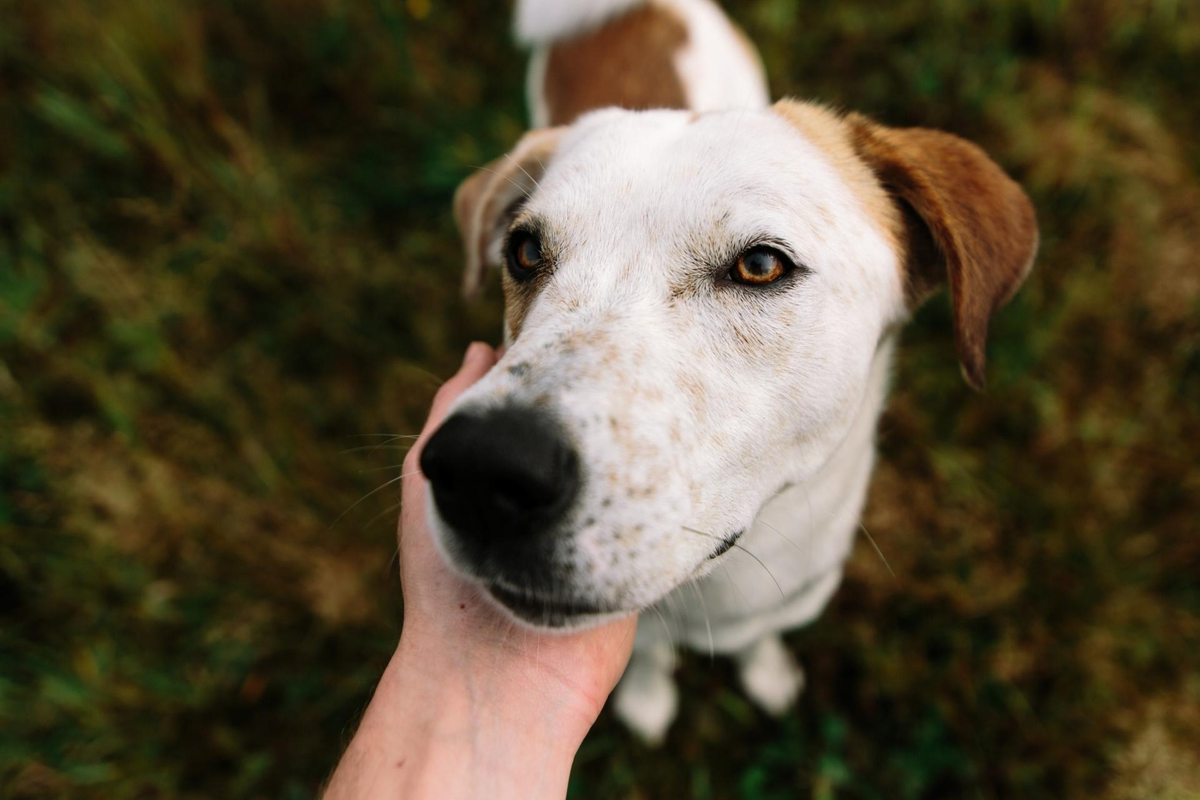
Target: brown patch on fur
[(950, 212), (966, 222), (628, 62), (469, 200), (485, 204), (830, 132)]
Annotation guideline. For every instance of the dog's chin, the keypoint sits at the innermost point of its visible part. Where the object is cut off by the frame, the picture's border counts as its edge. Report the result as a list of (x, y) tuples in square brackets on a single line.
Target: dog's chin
[(532, 610)]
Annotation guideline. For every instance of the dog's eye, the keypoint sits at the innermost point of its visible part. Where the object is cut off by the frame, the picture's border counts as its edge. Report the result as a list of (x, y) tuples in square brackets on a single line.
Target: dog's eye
[(759, 266), (524, 254)]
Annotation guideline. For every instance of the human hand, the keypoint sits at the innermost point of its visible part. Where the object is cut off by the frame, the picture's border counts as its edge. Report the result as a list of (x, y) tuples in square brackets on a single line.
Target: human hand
[(449, 621), (474, 704)]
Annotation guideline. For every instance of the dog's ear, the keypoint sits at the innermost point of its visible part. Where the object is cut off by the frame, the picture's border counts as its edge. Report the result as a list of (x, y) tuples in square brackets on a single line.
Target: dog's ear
[(486, 202), (966, 223)]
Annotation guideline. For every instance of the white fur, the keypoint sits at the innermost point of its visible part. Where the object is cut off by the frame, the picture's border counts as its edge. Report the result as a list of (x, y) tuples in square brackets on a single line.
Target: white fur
[(646, 698), (541, 21), (770, 675), (717, 69), (535, 78)]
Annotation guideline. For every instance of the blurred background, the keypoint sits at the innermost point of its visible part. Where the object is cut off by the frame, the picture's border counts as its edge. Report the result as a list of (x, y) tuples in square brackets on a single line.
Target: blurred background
[(227, 264)]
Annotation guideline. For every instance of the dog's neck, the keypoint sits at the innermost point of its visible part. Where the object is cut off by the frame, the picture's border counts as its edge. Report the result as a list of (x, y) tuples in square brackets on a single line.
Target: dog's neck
[(823, 511)]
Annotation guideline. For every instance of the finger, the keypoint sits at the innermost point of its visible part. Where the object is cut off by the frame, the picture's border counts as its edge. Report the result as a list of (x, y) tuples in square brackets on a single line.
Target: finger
[(478, 360)]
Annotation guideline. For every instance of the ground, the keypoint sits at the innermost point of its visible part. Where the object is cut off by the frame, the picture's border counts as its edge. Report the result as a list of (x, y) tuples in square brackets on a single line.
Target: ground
[(227, 263)]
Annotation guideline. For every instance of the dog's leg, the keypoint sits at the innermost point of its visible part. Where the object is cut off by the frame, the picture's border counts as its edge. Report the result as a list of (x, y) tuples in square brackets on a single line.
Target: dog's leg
[(770, 676), (646, 698)]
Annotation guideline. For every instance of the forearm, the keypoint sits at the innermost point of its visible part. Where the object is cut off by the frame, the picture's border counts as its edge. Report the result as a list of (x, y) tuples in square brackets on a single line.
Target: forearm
[(442, 729)]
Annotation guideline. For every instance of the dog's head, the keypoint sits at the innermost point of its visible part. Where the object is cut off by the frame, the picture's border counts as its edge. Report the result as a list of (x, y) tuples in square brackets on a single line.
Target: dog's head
[(693, 307)]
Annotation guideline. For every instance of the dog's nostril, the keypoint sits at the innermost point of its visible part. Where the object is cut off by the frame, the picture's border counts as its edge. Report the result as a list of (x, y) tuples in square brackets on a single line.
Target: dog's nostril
[(506, 473)]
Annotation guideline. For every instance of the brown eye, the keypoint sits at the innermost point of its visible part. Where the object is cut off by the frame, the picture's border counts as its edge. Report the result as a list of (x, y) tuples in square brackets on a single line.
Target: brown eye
[(524, 254), (759, 266)]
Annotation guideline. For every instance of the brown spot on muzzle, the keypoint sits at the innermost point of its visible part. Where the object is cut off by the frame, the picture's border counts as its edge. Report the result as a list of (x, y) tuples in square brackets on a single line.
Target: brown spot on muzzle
[(629, 62)]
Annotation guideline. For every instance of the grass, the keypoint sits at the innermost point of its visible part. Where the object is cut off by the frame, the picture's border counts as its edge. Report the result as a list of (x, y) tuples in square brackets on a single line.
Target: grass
[(226, 252)]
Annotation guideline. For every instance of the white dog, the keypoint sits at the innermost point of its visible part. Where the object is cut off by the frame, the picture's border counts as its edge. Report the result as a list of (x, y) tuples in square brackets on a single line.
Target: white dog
[(701, 310)]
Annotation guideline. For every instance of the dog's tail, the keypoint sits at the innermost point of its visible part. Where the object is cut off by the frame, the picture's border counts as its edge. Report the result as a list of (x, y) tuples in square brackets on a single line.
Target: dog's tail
[(636, 54)]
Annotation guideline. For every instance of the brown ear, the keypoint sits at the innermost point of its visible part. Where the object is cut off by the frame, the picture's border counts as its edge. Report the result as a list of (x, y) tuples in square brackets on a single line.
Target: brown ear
[(966, 223), (486, 202)]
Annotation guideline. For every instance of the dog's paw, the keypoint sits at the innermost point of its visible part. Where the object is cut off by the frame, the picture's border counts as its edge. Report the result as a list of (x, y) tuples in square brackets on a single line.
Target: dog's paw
[(770, 676), (646, 700)]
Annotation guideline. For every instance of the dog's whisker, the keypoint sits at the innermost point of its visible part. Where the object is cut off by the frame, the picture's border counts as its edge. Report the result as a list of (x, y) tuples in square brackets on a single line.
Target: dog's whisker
[(738, 126), (781, 535), (735, 546), (712, 650), (383, 435), (808, 528), (667, 630), (871, 539), (677, 616), (671, 609), (437, 379), (527, 175), (733, 585), (386, 512), (394, 565), (380, 469), (373, 447), (384, 444), (518, 186), (704, 533), (371, 493)]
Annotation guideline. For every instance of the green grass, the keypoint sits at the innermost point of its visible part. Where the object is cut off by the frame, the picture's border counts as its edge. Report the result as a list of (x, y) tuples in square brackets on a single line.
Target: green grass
[(226, 251)]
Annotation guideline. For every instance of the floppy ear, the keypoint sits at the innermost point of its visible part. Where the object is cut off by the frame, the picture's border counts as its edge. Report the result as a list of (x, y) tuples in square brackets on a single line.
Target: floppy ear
[(966, 224), (486, 202)]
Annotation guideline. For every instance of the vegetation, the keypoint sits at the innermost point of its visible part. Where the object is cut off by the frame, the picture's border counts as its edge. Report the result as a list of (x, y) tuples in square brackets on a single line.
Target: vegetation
[(226, 252)]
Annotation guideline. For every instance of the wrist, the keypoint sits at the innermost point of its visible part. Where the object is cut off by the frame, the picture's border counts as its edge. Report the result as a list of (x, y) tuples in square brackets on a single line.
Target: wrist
[(471, 732), (498, 684), (437, 730)]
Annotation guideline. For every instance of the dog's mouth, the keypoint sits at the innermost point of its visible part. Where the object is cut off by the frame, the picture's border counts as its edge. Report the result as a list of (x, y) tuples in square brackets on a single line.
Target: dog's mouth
[(546, 611), (726, 545)]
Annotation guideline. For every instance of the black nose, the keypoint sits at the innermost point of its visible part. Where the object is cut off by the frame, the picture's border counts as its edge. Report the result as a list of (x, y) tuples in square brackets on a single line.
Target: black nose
[(501, 477)]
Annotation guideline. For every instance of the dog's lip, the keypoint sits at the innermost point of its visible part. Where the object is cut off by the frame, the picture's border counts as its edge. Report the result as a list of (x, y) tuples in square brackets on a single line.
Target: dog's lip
[(726, 545), (539, 609)]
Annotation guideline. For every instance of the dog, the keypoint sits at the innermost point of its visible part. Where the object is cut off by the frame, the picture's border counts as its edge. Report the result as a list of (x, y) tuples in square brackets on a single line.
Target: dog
[(703, 293)]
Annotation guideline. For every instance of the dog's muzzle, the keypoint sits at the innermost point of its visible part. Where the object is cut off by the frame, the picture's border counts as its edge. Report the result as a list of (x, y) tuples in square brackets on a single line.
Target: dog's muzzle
[(504, 481)]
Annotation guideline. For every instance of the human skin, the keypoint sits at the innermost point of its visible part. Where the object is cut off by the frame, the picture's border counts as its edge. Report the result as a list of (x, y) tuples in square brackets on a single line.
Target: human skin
[(471, 703)]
